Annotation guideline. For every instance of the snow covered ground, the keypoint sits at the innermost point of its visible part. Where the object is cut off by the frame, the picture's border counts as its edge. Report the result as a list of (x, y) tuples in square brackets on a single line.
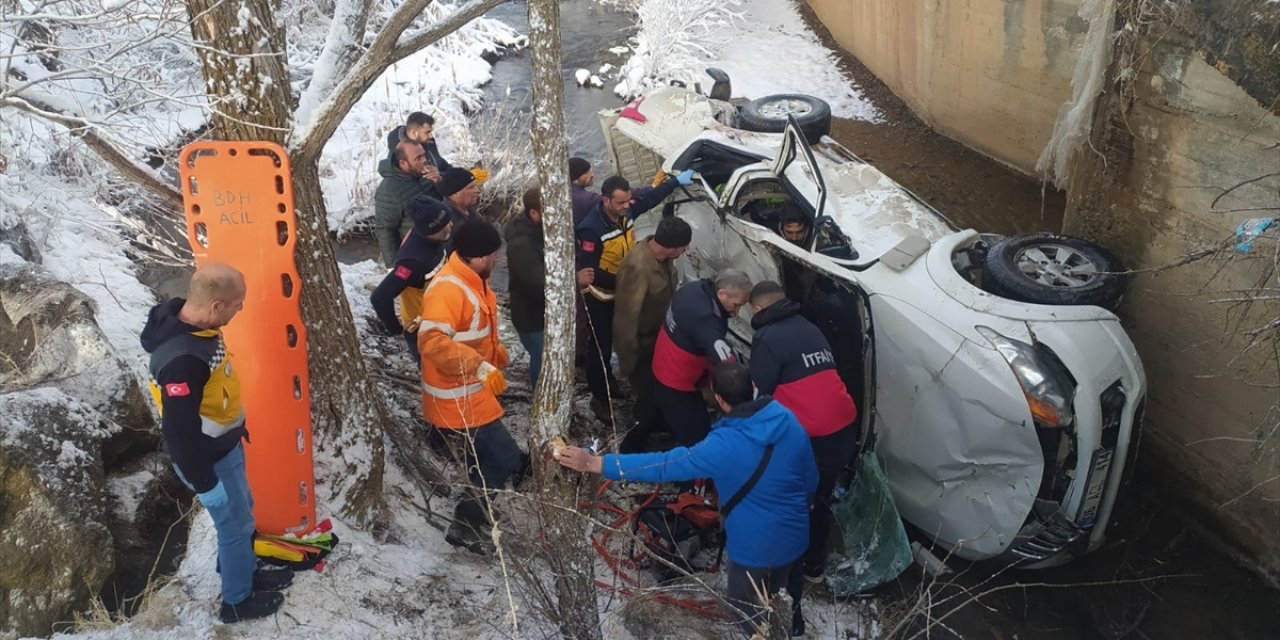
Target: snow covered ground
[(411, 585), (764, 46)]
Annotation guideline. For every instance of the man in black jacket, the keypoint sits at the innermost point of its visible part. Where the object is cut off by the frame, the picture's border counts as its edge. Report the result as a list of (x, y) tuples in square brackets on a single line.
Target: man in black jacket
[(420, 256), (792, 361), (528, 278), (420, 128), (202, 420), (692, 341)]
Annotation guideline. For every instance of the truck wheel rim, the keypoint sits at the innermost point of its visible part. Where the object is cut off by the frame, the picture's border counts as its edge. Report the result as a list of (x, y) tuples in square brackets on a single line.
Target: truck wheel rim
[(1057, 266)]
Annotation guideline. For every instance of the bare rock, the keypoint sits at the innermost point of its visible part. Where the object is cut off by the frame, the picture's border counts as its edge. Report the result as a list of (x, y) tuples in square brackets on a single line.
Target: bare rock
[(53, 533), (49, 336), (147, 501)]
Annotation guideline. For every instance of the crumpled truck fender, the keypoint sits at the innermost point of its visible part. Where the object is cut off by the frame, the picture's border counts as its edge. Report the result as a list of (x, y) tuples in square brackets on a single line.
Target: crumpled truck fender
[(963, 471)]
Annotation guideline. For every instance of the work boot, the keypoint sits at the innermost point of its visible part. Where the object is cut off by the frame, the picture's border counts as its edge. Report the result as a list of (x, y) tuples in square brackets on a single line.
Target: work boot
[(470, 528), (259, 604), (272, 579), (465, 536), (815, 575), (524, 472)]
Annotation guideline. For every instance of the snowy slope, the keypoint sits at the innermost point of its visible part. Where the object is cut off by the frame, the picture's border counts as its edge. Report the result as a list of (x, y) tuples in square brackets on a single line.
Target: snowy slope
[(764, 46)]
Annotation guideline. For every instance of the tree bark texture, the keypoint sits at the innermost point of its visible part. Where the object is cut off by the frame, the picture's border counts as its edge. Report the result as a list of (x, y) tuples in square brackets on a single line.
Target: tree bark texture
[(567, 532), (246, 74)]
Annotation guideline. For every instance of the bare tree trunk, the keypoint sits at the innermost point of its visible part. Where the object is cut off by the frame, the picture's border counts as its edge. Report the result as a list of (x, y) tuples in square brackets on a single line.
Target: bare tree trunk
[(567, 532), (246, 74)]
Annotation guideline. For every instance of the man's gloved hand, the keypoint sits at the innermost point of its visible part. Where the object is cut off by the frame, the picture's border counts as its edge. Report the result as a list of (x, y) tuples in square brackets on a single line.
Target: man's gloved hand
[(685, 178), (492, 378), (215, 498)]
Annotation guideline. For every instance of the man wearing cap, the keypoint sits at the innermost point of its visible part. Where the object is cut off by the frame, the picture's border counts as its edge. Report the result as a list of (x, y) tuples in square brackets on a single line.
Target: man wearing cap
[(462, 364), (420, 256), (403, 179), (460, 191), (646, 283), (604, 237), (580, 177)]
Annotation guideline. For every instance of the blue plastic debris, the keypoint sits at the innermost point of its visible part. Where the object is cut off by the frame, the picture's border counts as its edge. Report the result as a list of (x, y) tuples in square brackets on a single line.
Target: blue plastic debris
[(1249, 230)]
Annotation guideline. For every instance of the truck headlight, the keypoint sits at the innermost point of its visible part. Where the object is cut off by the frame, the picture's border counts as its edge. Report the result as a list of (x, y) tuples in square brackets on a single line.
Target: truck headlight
[(1048, 387)]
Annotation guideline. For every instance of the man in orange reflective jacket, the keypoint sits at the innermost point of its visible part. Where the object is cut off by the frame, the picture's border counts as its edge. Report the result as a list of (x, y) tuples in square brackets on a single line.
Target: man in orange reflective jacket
[(462, 364)]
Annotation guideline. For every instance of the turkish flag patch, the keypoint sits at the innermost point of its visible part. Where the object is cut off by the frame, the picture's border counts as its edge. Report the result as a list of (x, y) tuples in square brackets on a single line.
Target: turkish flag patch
[(588, 245), (402, 272), (177, 389)]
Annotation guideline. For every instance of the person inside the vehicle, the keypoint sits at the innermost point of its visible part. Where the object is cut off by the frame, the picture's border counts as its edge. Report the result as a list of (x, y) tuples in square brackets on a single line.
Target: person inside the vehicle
[(793, 224)]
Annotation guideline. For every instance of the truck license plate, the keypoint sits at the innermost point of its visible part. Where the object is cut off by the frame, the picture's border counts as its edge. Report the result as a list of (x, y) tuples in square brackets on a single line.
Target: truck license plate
[(1094, 489)]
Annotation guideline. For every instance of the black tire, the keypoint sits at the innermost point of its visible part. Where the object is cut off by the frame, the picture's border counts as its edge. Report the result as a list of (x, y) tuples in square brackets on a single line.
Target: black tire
[(769, 115), (1046, 268)]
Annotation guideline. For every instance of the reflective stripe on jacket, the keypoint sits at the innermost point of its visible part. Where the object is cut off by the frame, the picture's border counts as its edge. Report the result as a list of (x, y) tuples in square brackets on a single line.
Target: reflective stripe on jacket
[(458, 333)]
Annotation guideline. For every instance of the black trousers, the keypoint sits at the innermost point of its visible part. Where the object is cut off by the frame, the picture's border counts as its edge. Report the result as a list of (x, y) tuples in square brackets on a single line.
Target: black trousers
[(646, 414), (492, 458), (746, 586), (685, 412), (832, 453), (599, 348)]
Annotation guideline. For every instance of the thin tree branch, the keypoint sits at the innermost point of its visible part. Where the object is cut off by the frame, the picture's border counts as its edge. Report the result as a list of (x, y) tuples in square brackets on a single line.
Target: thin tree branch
[(341, 49), (105, 148)]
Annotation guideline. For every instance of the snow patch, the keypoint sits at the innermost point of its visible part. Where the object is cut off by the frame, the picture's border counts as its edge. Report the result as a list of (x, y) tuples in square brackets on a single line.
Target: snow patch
[(764, 46)]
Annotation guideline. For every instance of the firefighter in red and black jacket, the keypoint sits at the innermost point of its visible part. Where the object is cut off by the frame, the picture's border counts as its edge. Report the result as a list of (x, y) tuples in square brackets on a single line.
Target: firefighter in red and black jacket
[(691, 342), (792, 361)]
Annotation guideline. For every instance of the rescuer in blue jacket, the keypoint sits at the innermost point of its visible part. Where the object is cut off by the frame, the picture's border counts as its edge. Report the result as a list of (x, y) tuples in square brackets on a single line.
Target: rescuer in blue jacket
[(768, 529)]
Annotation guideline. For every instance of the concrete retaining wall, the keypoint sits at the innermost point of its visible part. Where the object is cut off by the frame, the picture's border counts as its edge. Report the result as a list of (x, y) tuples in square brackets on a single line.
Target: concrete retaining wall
[(991, 74)]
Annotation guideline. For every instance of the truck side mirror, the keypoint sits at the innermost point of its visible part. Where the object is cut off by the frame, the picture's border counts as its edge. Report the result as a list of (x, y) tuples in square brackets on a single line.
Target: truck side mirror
[(721, 90)]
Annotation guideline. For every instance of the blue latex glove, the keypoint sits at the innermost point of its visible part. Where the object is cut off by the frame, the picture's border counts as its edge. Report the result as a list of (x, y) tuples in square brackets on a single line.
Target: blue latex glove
[(214, 498), (685, 178)]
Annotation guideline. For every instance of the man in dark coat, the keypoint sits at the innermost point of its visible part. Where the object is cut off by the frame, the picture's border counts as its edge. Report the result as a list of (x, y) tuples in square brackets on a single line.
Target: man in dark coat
[(420, 128), (692, 341), (526, 268), (792, 361), (402, 180), (580, 178), (646, 283), (419, 258)]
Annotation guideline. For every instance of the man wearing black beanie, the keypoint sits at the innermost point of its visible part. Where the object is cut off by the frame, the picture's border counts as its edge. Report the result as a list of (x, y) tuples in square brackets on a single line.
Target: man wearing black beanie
[(420, 256), (646, 282), (462, 362), (460, 191), (580, 177)]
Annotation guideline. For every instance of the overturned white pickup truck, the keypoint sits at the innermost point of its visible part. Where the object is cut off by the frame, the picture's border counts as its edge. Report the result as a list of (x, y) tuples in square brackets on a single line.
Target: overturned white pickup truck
[(1003, 401)]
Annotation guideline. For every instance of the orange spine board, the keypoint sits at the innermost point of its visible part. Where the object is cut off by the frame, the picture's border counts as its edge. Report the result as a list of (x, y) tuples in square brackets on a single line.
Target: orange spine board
[(239, 206)]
